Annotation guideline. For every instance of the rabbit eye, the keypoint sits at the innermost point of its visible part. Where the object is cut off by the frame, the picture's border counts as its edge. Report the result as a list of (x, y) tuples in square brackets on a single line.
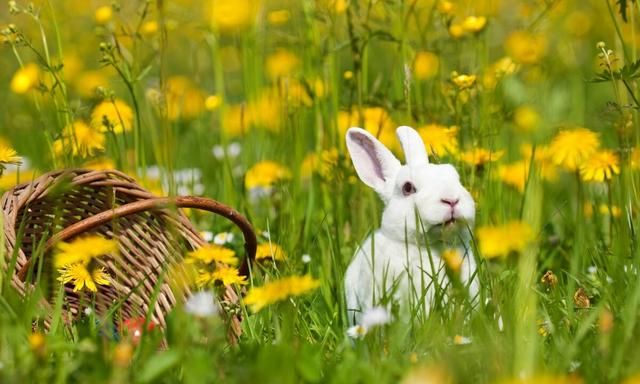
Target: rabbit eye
[(408, 188)]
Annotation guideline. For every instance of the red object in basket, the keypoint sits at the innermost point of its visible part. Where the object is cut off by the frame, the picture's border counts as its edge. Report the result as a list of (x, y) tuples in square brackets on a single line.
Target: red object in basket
[(133, 328)]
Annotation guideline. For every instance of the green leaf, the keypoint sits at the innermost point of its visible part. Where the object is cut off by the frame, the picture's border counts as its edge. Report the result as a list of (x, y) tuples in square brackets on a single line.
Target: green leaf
[(628, 72), (159, 364), (309, 364), (622, 8)]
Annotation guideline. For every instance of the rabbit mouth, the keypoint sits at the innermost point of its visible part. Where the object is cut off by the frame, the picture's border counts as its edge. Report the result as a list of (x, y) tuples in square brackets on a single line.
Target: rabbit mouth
[(447, 227), (450, 222)]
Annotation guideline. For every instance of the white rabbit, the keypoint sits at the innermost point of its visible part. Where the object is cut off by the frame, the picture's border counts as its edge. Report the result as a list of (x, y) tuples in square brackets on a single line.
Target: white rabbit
[(425, 204)]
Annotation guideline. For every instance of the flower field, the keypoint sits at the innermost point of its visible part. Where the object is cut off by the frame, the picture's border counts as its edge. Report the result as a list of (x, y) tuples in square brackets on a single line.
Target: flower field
[(536, 103)]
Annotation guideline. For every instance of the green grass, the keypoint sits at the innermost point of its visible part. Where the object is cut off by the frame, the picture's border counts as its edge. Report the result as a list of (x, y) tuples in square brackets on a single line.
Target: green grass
[(520, 327)]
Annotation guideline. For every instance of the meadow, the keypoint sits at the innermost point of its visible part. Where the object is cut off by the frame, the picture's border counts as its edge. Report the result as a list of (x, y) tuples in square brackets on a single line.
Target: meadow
[(535, 102)]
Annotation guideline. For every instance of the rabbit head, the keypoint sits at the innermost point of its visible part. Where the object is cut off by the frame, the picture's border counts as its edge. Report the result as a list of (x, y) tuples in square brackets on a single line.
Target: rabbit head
[(431, 192)]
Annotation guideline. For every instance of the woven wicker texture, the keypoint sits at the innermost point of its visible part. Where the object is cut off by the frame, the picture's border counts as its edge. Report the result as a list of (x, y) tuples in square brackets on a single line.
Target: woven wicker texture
[(152, 235)]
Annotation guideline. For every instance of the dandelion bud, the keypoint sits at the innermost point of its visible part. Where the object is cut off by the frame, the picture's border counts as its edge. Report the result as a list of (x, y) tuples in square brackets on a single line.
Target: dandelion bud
[(122, 354), (580, 299), (550, 279), (37, 344), (13, 8)]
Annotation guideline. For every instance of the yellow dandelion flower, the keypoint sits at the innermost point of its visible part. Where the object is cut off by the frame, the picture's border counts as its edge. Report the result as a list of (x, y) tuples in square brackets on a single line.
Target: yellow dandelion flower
[(266, 111), (426, 65), (333, 6), (212, 102), (232, 15), (149, 28), (322, 164), (463, 81), (228, 276), (600, 166), (103, 14), (453, 259), (456, 31), (212, 253), (10, 179), (635, 158), (100, 164), (376, 120), (503, 239), (446, 7), (526, 118), (37, 343), (614, 211), (440, 140), (25, 79), (347, 75), (81, 139), (279, 17), (275, 291), (339, 6), (570, 148), (515, 174), (281, 63), (82, 250), (295, 94), (266, 174), (543, 159), (503, 67), (122, 354), (474, 24), (270, 251), (480, 156), (236, 120), (525, 47), (81, 277), (203, 279), (8, 155), (319, 88), (183, 99), (112, 115)]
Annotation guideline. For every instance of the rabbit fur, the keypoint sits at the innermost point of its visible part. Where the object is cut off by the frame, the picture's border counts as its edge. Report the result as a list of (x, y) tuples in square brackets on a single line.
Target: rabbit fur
[(395, 261)]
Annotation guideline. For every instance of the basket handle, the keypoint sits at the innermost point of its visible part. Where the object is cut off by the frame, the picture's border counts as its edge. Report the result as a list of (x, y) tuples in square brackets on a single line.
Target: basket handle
[(250, 241)]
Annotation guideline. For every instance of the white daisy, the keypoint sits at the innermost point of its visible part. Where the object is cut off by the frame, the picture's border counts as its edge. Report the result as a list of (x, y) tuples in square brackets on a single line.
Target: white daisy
[(202, 304)]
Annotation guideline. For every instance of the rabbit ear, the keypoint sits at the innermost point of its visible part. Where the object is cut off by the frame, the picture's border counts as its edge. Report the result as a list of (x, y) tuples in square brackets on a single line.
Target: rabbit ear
[(412, 145), (374, 163)]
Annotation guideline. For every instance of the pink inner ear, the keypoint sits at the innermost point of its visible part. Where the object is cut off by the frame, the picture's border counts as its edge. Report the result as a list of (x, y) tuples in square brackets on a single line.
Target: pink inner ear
[(370, 150)]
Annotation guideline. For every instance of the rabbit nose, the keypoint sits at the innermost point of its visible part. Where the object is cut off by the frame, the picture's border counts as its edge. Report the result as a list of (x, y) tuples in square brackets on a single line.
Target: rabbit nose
[(450, 202)]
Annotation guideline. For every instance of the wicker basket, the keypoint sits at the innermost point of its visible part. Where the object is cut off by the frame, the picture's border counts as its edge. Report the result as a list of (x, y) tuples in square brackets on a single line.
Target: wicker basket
[(61, 205)]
